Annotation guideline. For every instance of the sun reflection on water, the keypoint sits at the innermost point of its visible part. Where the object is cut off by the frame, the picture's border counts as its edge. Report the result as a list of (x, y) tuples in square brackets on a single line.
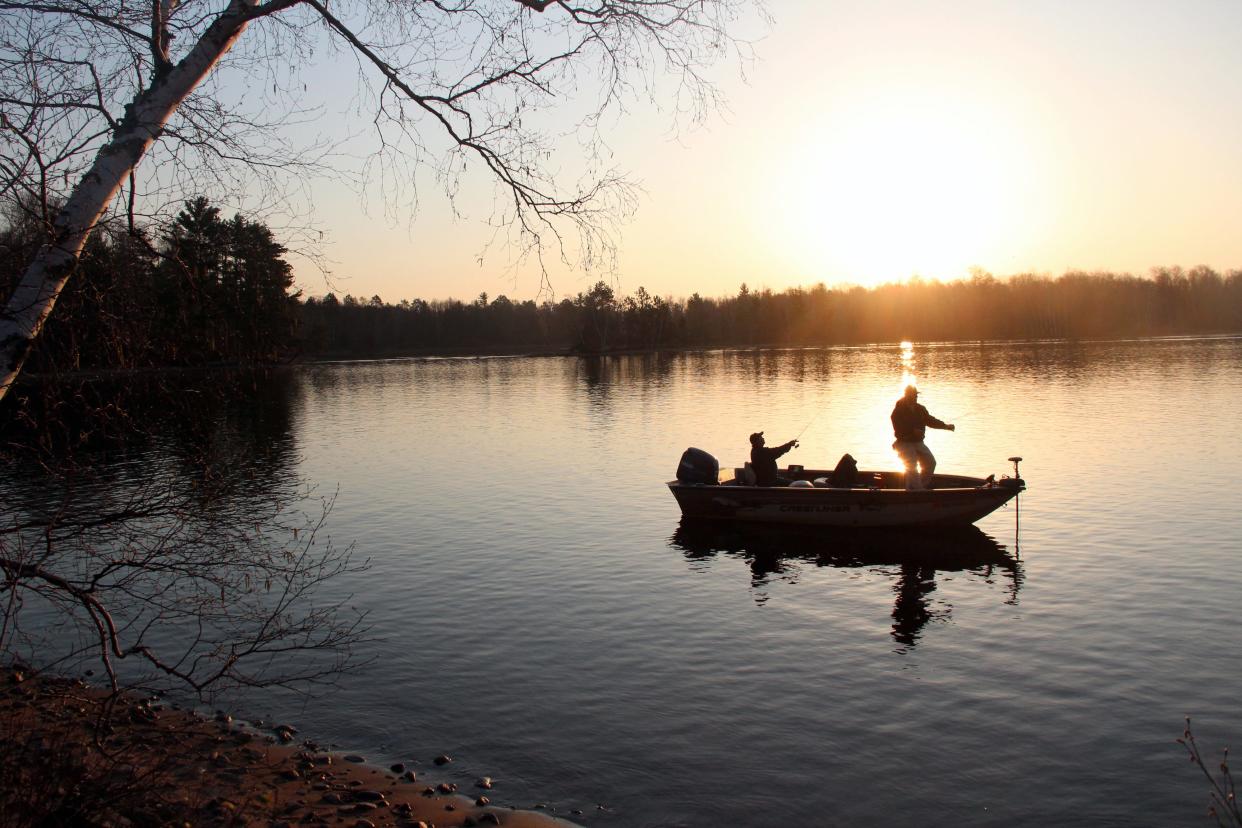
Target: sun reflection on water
[(908, 377)]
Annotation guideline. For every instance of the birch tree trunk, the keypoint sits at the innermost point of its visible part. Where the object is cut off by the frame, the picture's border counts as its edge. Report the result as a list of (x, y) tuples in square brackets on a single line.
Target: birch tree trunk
[(41, 284)]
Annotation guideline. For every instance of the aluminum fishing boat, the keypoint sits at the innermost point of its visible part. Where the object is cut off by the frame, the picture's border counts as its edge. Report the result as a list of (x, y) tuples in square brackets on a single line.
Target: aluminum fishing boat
[(871, 499)]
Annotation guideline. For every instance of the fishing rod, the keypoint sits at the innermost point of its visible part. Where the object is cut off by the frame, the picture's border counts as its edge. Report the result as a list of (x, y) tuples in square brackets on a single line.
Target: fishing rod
[(808, 425)]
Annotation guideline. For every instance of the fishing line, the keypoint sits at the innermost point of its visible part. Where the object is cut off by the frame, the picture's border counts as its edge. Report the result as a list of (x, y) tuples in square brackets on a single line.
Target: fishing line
[(808, 425)]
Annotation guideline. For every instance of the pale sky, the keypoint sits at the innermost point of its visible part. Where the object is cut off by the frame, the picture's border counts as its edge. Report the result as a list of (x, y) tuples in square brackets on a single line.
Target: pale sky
[(874, 141)]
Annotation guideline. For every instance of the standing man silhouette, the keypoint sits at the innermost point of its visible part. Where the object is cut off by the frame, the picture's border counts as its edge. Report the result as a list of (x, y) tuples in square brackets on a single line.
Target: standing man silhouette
[(910, 424)]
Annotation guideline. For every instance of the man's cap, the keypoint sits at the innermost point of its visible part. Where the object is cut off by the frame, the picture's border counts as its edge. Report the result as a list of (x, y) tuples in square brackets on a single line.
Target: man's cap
[(756, 437), (911, 390)]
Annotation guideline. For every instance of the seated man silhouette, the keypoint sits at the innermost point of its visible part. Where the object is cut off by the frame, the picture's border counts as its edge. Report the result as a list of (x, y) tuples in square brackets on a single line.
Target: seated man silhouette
[(763, 460)]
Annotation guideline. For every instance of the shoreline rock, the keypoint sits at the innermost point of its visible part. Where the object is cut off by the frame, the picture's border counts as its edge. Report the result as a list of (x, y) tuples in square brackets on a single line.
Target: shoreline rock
[(151, 765)]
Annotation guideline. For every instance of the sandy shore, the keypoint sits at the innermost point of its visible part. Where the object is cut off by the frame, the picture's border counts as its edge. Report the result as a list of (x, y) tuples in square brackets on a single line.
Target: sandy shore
[(156, 766)]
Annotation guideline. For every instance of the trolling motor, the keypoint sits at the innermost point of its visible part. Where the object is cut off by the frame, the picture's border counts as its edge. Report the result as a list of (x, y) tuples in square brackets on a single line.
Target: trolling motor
[(1015, 482)]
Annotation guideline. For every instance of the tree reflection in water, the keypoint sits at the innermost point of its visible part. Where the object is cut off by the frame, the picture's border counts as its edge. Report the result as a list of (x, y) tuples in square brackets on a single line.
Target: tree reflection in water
[(912, 557), (154, 527)]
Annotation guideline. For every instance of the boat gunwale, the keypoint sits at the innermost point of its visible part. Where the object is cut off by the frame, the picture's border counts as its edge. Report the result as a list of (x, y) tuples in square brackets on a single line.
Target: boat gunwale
[(980, 484)]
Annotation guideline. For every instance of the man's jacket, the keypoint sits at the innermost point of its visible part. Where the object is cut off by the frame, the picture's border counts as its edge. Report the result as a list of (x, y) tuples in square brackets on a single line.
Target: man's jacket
[(910, 421)]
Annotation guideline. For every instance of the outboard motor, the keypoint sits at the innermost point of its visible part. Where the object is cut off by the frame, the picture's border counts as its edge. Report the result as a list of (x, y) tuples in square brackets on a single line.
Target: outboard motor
[(698, 468)]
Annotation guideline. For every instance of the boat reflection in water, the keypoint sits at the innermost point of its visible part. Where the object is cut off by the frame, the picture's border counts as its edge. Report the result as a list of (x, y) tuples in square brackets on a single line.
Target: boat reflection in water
[(911, 557)]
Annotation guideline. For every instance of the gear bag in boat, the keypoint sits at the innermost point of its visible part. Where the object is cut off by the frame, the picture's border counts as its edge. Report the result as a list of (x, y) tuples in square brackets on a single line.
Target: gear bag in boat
[(846, 472)]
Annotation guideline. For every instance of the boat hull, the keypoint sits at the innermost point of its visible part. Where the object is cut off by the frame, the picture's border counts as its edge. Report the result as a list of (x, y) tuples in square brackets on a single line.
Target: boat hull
[(856, 507)]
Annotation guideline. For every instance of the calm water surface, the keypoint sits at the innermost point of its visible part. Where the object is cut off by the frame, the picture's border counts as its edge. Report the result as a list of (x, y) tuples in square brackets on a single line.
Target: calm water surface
[(547, 621)]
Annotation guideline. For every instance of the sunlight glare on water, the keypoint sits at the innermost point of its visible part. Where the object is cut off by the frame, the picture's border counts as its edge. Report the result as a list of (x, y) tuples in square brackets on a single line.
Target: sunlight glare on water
[(907, 366)]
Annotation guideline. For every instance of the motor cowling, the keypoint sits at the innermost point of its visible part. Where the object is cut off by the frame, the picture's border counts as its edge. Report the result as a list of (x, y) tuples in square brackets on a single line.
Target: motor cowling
[(698, 468)]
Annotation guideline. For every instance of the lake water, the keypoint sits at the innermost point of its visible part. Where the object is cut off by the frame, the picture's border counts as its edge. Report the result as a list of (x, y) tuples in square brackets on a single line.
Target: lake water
[(546, 620)]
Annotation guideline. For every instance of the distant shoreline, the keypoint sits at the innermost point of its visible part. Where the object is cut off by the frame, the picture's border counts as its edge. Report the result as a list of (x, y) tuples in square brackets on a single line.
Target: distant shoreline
[(450, 354), (433, 353)]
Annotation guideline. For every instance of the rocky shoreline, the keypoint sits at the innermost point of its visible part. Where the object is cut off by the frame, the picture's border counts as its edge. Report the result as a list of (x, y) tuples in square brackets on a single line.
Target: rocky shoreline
[(70, 755)]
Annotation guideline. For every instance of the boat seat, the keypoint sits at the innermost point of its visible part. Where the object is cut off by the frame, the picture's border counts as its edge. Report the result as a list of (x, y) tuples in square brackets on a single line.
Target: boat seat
[(745, 476)]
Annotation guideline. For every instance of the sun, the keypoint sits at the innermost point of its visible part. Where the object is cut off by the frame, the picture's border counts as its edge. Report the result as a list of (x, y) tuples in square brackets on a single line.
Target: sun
[(897, 187)]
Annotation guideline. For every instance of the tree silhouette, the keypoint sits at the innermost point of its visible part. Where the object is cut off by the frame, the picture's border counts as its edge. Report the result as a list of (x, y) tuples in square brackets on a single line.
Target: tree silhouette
[(225, 287)]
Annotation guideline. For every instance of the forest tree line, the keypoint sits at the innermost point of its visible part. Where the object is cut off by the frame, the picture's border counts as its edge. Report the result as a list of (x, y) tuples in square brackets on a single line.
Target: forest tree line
[(1075, 305), (210, 290)]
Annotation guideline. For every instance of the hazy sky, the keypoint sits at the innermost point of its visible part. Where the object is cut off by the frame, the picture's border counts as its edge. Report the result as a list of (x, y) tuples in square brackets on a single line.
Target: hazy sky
[(875, 141)]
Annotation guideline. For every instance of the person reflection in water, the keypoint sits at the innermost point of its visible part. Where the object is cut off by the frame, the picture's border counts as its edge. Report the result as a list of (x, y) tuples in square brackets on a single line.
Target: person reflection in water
[(763, 460), (911, 611), (910, 424)]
